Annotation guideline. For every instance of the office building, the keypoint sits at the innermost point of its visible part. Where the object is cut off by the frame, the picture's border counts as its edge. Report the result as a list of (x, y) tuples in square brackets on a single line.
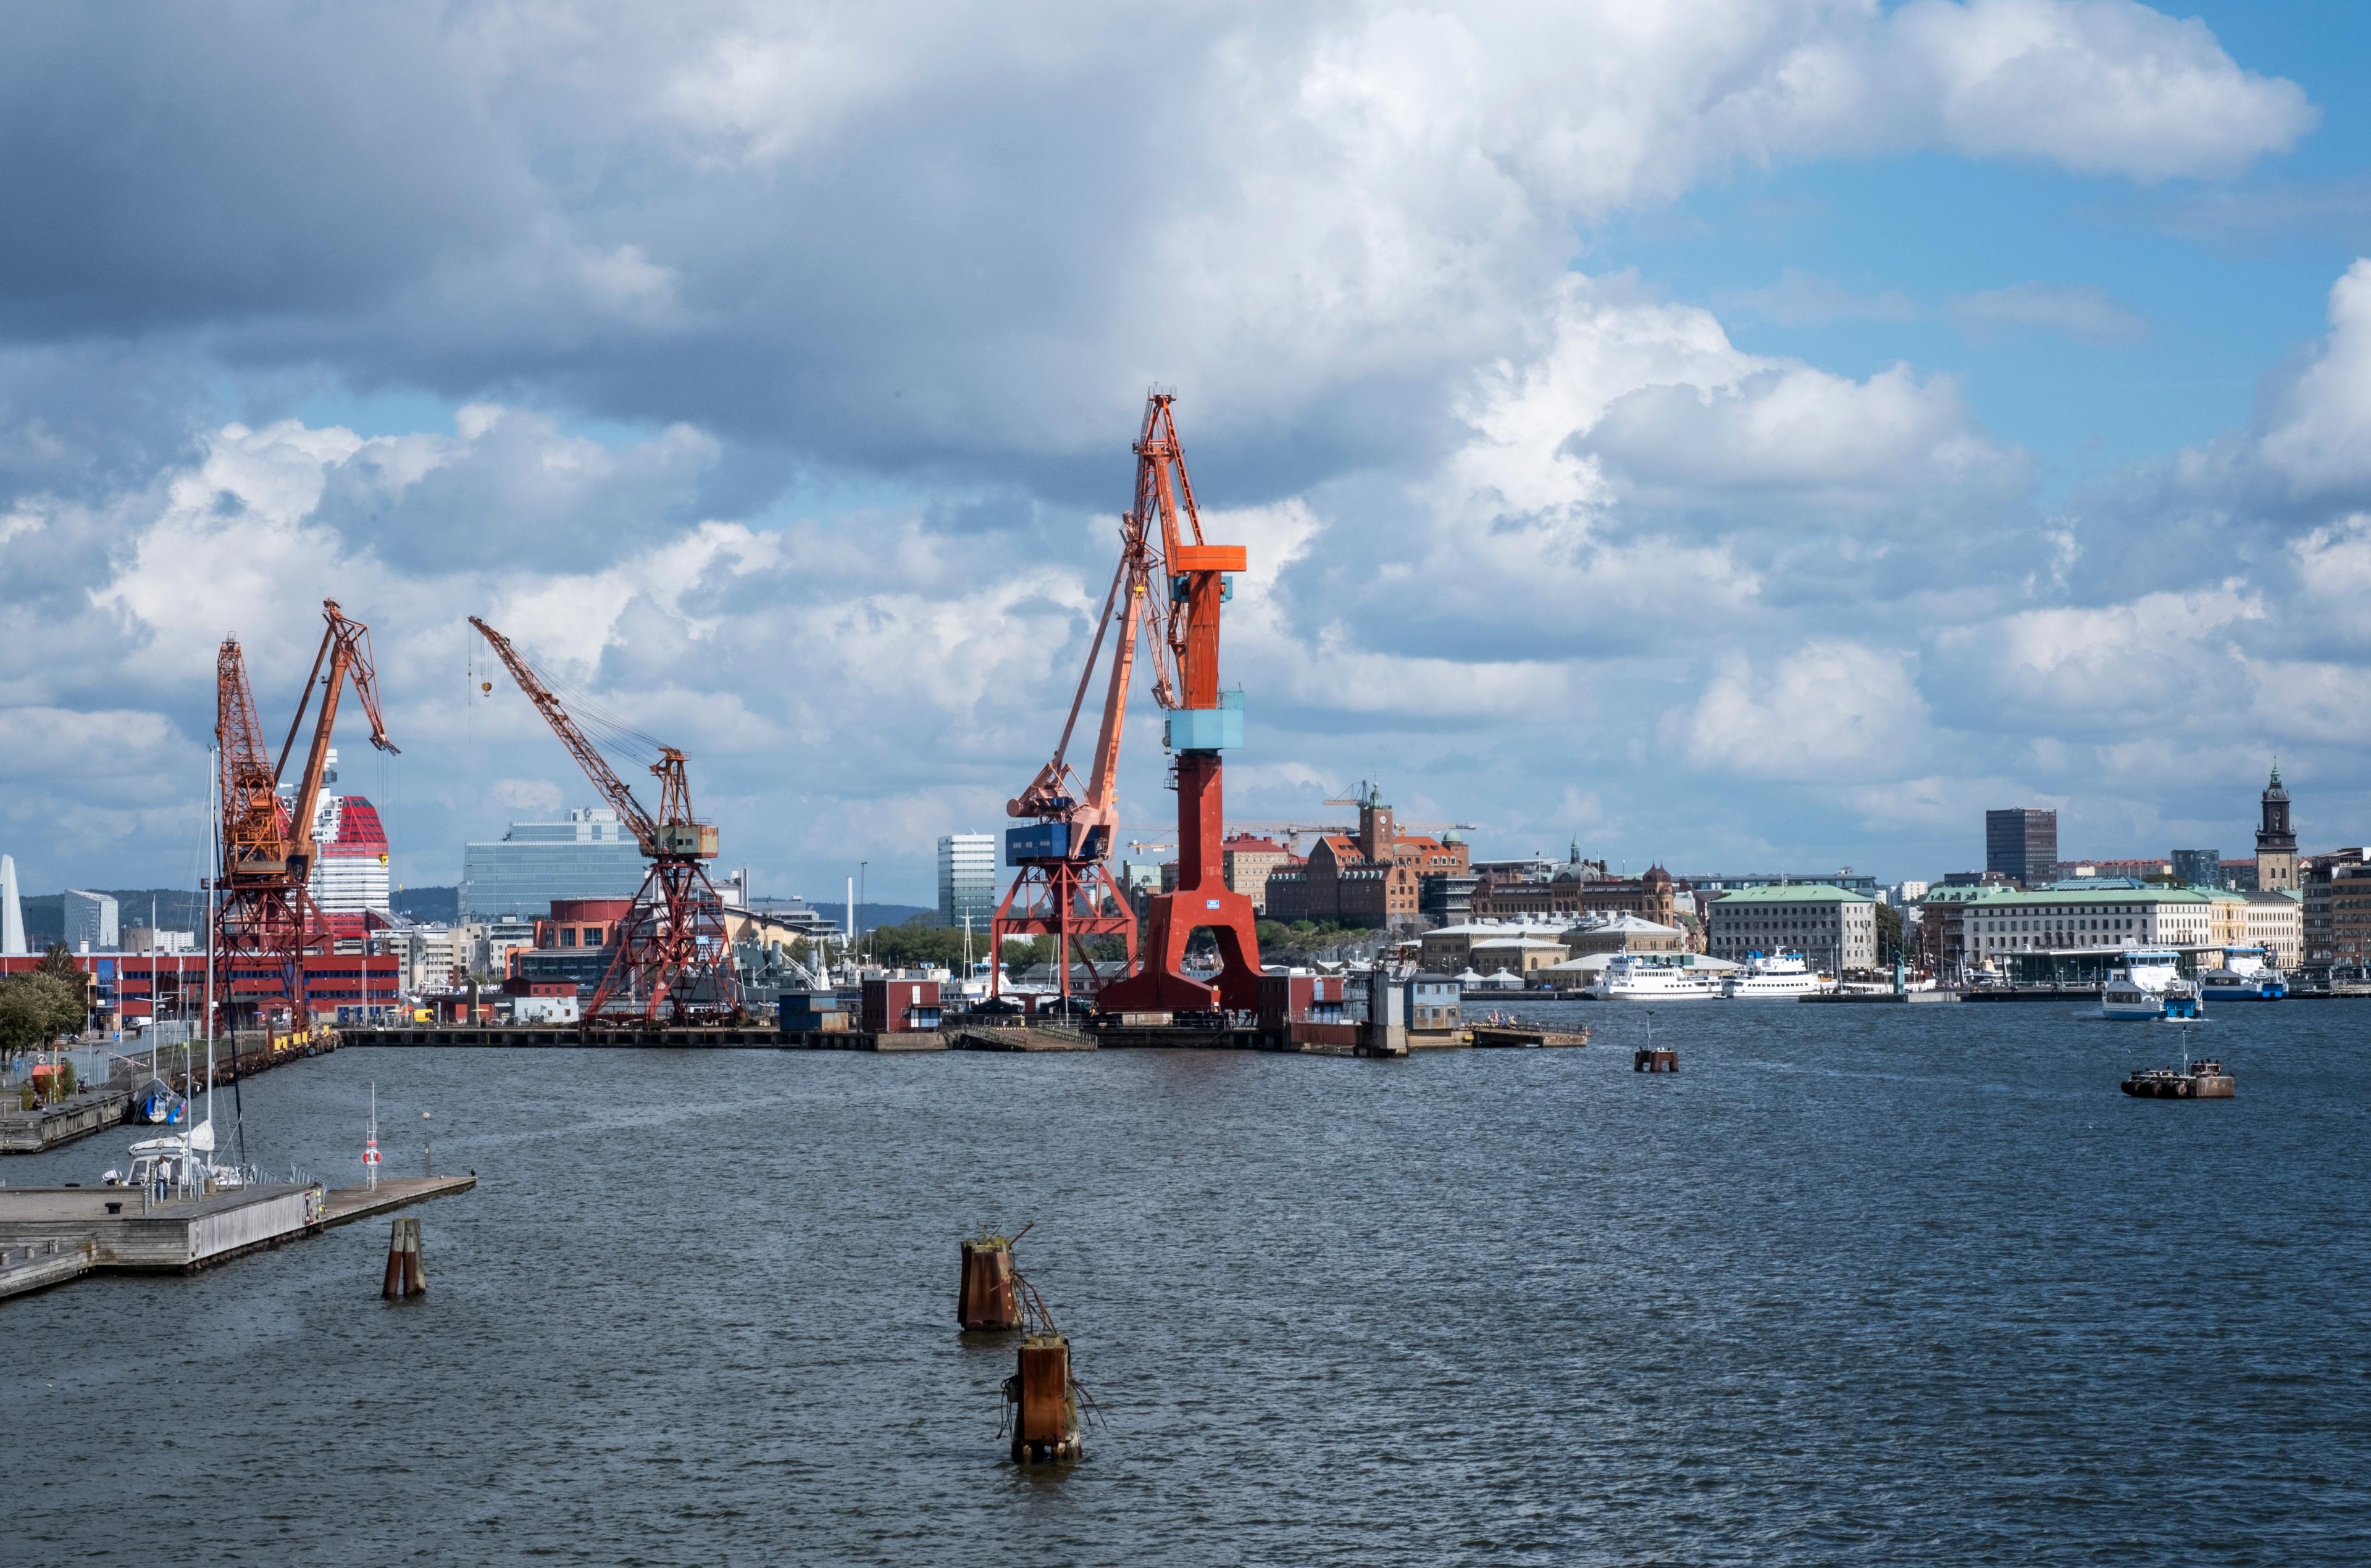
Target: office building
[(1834, 928), (91, 922), (2198, 868), (589, 856), (2022, 844), (968, 880), (2336, 911)]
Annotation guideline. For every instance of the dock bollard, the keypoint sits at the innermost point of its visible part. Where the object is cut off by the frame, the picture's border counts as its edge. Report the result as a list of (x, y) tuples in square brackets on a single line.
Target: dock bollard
[(406, 1275), (1046, 1430), (984, 1296)]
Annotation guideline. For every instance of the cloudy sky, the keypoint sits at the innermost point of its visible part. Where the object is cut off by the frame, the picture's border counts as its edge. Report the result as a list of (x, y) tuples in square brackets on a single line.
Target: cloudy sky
[(1747, 433)]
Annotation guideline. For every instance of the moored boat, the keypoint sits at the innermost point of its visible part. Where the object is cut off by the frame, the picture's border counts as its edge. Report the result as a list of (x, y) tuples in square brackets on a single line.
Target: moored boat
[(2244, 975), (1642, 977), (1779, 977)]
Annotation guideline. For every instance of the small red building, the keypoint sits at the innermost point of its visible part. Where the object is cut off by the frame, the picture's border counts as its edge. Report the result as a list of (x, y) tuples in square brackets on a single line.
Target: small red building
[(901, 1007)]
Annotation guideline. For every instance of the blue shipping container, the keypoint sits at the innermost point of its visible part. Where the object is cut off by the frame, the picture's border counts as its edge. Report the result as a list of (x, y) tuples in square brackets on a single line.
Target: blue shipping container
[(1039, 841)]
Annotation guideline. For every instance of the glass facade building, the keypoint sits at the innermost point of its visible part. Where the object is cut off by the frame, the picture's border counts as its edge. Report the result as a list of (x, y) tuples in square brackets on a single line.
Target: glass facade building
[(968, 879), (2199, 868), (2022, 844), (589, 856), (91, 922)]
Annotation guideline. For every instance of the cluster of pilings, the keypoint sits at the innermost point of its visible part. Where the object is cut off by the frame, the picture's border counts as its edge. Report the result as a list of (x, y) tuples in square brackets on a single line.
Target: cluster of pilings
[(991, 1297)]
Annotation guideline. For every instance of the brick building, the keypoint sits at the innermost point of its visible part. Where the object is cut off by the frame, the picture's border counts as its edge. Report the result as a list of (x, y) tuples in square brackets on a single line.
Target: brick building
[(1246, 862), (1372, 877)]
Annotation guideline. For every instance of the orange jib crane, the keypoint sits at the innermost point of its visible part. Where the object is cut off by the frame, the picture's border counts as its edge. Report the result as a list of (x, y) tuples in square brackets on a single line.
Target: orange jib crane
[(267, 918), (672, 955), (1203, 721)]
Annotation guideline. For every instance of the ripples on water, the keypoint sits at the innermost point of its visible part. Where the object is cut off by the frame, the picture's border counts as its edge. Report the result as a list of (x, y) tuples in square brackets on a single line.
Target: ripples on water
[(1858, 1285)]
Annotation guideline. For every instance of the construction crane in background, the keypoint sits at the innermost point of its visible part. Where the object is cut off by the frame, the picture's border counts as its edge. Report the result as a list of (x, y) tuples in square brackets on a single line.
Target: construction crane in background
[(1202, 722), (672, 953), (266, 916), (1063, 886)]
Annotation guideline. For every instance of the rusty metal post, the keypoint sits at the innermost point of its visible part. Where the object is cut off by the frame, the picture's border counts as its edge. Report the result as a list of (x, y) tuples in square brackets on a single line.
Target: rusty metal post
[(984, 1294), (1046, 1428), (406, 1275)]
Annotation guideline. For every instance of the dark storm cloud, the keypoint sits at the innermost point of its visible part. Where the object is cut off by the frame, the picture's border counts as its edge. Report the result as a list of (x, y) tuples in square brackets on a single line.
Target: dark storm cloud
[(183, 166)]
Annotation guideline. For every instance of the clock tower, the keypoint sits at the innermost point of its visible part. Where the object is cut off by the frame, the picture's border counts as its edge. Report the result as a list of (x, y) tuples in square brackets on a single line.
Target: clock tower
[(2276, 857)]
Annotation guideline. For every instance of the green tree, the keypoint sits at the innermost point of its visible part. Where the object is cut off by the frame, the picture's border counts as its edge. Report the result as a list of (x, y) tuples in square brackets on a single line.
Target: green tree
[(919, 943), (36, 1007), (1024, 954), (1889, 935)]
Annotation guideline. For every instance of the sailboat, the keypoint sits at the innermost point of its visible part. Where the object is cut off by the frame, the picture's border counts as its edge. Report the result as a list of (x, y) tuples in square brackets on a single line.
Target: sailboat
[(183, 1164)]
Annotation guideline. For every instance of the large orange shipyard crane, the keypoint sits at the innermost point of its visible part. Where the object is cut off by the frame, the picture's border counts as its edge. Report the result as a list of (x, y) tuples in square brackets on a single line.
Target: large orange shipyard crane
[(1192, 582), (671, 950), (267, 918)]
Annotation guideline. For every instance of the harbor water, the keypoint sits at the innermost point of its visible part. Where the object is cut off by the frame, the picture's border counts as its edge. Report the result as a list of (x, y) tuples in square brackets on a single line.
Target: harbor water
[(1857, 1284)]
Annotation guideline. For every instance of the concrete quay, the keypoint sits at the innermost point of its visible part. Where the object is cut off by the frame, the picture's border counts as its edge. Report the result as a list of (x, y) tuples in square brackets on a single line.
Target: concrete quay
[(51, 1235), (75, 1116)]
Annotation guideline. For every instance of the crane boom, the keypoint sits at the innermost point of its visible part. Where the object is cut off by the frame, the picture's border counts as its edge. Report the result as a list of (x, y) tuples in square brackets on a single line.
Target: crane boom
[(345, 643), (255, 835), (672, 950), (597, 767)]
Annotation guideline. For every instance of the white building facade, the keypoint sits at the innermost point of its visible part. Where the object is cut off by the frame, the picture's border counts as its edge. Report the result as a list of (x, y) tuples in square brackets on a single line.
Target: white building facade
[(2003, 924), (1833, 927)]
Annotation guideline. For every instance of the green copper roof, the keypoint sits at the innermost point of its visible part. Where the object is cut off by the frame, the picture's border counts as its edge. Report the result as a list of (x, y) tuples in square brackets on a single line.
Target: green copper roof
[(1794, 893)]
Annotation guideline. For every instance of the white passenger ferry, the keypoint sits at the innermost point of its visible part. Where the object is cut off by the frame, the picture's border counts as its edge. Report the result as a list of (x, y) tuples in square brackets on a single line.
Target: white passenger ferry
[(1652, 977), (1780, 977), (2244, 976), (2149, 985)]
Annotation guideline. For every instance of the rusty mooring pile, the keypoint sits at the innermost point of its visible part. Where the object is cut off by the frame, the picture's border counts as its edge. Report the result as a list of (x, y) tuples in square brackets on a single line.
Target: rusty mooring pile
[(406, 1275), (1043, 1402)]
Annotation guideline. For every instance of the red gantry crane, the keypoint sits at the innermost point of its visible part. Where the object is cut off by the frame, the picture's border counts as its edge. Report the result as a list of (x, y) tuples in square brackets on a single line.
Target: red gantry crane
[(671, 949), (267, 916), (1203, 721)]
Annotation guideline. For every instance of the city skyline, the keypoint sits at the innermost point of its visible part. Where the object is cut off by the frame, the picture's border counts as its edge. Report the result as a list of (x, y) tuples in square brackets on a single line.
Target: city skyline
[(1630, 441)]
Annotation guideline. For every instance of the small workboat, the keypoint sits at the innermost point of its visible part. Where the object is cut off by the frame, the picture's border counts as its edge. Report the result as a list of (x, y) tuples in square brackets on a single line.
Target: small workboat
[(2193, 1080)]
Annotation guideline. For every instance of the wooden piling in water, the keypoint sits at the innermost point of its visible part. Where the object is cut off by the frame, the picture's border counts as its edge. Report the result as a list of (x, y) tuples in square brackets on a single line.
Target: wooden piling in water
[(406, 1273), (1045, 1427), (984, 1294)]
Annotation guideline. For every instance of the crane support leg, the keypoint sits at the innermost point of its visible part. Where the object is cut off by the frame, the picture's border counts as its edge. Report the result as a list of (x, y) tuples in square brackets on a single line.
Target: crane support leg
[(1202, 902)]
